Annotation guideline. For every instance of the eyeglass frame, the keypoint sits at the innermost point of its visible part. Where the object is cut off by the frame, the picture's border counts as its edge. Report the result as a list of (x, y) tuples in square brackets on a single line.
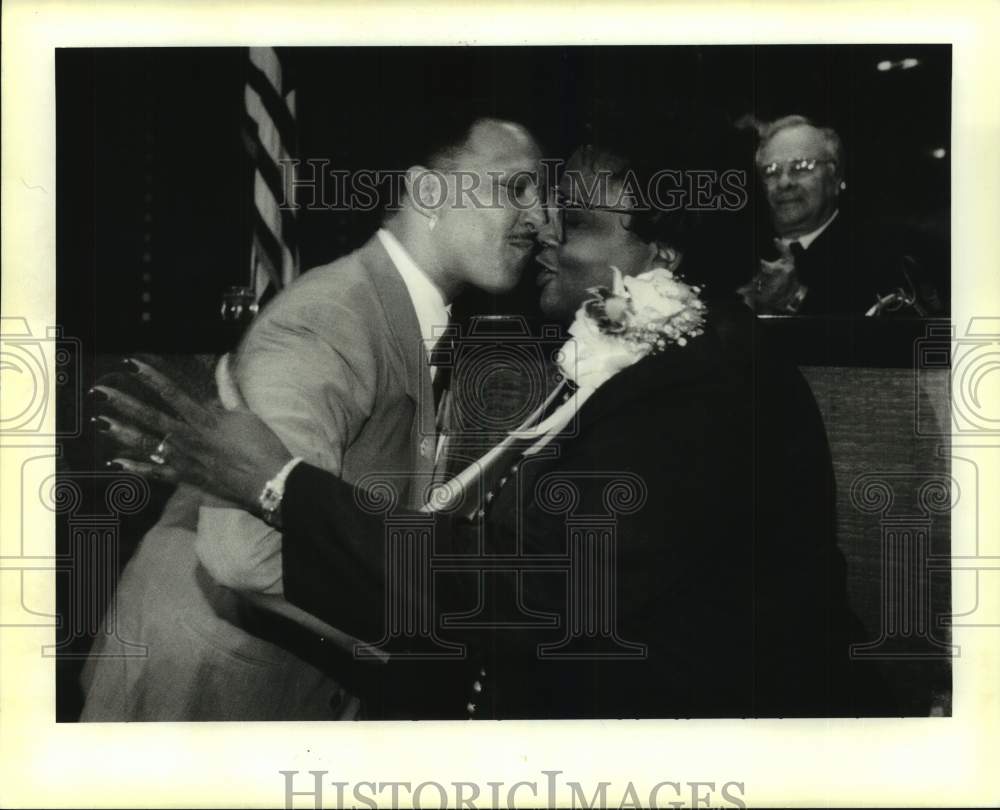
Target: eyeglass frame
[(556, 200), (804, 171), (557, 205)]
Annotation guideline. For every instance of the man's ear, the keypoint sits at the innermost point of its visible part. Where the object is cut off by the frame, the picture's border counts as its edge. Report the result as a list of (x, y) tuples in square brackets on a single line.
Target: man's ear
[(427, 192), (838, 179)]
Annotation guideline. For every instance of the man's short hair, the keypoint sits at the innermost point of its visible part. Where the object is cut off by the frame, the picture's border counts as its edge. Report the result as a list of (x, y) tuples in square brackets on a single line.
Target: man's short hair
[(436, 135), (834, 146), (436, 138)]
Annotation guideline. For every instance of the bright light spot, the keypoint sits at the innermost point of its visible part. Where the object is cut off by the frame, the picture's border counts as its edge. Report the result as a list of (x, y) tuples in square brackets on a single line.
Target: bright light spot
[(884, 66), (940, 152), (906, 64)]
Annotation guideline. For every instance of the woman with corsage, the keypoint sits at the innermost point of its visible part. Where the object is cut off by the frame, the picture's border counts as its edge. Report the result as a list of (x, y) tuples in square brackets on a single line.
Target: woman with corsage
[(657, 541)]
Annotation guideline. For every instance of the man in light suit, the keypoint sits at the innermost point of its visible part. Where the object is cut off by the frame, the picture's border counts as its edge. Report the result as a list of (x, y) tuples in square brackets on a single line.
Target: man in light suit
[(337, 365)]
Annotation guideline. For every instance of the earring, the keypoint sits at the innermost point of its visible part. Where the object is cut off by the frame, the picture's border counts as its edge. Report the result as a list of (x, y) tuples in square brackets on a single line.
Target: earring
[(431, 222), (665, 255), (843, 185)]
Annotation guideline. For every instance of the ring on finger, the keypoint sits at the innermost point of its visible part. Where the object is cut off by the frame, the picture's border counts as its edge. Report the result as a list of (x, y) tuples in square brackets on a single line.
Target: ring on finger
[(159, 455)]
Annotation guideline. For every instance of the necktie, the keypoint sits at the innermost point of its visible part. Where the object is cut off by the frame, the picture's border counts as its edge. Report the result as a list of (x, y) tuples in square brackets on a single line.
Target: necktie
[(492, 469), (798, 253), (442, 359), (802, 274)]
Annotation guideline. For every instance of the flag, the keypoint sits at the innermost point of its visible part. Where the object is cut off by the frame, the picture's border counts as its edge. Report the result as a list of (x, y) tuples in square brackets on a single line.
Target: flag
[(269, 136)]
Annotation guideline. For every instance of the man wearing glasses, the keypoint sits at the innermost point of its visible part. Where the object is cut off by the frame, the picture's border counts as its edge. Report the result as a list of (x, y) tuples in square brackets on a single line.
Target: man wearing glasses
[(822, 263)]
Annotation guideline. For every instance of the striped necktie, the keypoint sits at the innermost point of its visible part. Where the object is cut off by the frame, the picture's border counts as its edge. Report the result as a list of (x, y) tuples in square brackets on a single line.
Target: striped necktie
[(442, 361)]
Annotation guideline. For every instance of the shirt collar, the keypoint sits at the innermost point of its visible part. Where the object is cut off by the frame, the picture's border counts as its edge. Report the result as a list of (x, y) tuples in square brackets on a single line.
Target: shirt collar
[(808, 238), (428, 302)]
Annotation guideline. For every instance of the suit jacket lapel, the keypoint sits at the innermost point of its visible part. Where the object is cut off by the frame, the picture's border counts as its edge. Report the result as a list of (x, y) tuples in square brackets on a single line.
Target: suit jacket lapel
[(400, 316), (409, 350)]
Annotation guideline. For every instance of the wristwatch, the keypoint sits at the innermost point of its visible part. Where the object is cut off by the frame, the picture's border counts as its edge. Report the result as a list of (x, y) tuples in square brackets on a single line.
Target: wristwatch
[(273, 492)]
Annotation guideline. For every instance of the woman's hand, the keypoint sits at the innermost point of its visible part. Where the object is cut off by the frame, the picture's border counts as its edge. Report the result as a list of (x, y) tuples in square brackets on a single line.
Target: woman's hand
[(228, 453)]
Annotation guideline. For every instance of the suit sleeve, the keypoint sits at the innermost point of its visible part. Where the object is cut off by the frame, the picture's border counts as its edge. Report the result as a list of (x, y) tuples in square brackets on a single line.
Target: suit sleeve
[(334, 552), (309, 372)]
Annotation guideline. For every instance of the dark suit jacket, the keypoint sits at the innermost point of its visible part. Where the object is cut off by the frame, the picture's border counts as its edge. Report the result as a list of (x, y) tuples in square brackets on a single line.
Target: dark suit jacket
[(725, 563), (851, 264)]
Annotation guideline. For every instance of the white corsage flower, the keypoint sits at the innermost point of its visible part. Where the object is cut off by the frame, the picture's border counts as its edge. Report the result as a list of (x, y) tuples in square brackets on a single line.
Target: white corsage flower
[(613, 330), (592, 357), (637, 316)]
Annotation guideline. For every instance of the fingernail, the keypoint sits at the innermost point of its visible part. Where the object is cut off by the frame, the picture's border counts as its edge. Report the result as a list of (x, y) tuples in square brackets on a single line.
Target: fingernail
[(113, 465), (100, 424), (97, 395), (130, 365)]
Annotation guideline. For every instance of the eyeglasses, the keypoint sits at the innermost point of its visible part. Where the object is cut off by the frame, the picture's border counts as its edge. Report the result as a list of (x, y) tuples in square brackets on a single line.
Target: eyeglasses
[(798, 167), (560, 202)]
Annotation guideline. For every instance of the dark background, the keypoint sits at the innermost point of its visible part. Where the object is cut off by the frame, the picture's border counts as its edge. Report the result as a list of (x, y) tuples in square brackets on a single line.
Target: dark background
[(154, 193), (153, 209)]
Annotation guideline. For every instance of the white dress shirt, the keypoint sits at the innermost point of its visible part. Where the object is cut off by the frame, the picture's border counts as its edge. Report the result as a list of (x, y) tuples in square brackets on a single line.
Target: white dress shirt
[(432, 312)]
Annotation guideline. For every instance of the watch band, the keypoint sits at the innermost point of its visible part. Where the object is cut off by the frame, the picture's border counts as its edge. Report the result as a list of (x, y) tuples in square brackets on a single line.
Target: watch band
[(273, 492)]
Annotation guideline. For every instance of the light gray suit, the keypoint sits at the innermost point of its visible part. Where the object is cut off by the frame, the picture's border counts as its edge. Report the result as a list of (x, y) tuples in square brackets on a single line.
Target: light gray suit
[(337, 367)]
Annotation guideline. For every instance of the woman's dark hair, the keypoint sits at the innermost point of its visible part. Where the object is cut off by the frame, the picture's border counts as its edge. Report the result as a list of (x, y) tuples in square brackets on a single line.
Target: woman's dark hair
[(655, 153), (656, 217)]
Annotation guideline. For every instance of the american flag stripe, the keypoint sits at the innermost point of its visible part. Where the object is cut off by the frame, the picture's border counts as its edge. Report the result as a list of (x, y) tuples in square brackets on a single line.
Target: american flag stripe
[(269, 138), (272, 178), (281, 113), (269, 252)]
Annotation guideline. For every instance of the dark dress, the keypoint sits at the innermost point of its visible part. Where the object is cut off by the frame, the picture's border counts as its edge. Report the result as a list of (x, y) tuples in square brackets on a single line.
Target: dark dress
[(702, 475)]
